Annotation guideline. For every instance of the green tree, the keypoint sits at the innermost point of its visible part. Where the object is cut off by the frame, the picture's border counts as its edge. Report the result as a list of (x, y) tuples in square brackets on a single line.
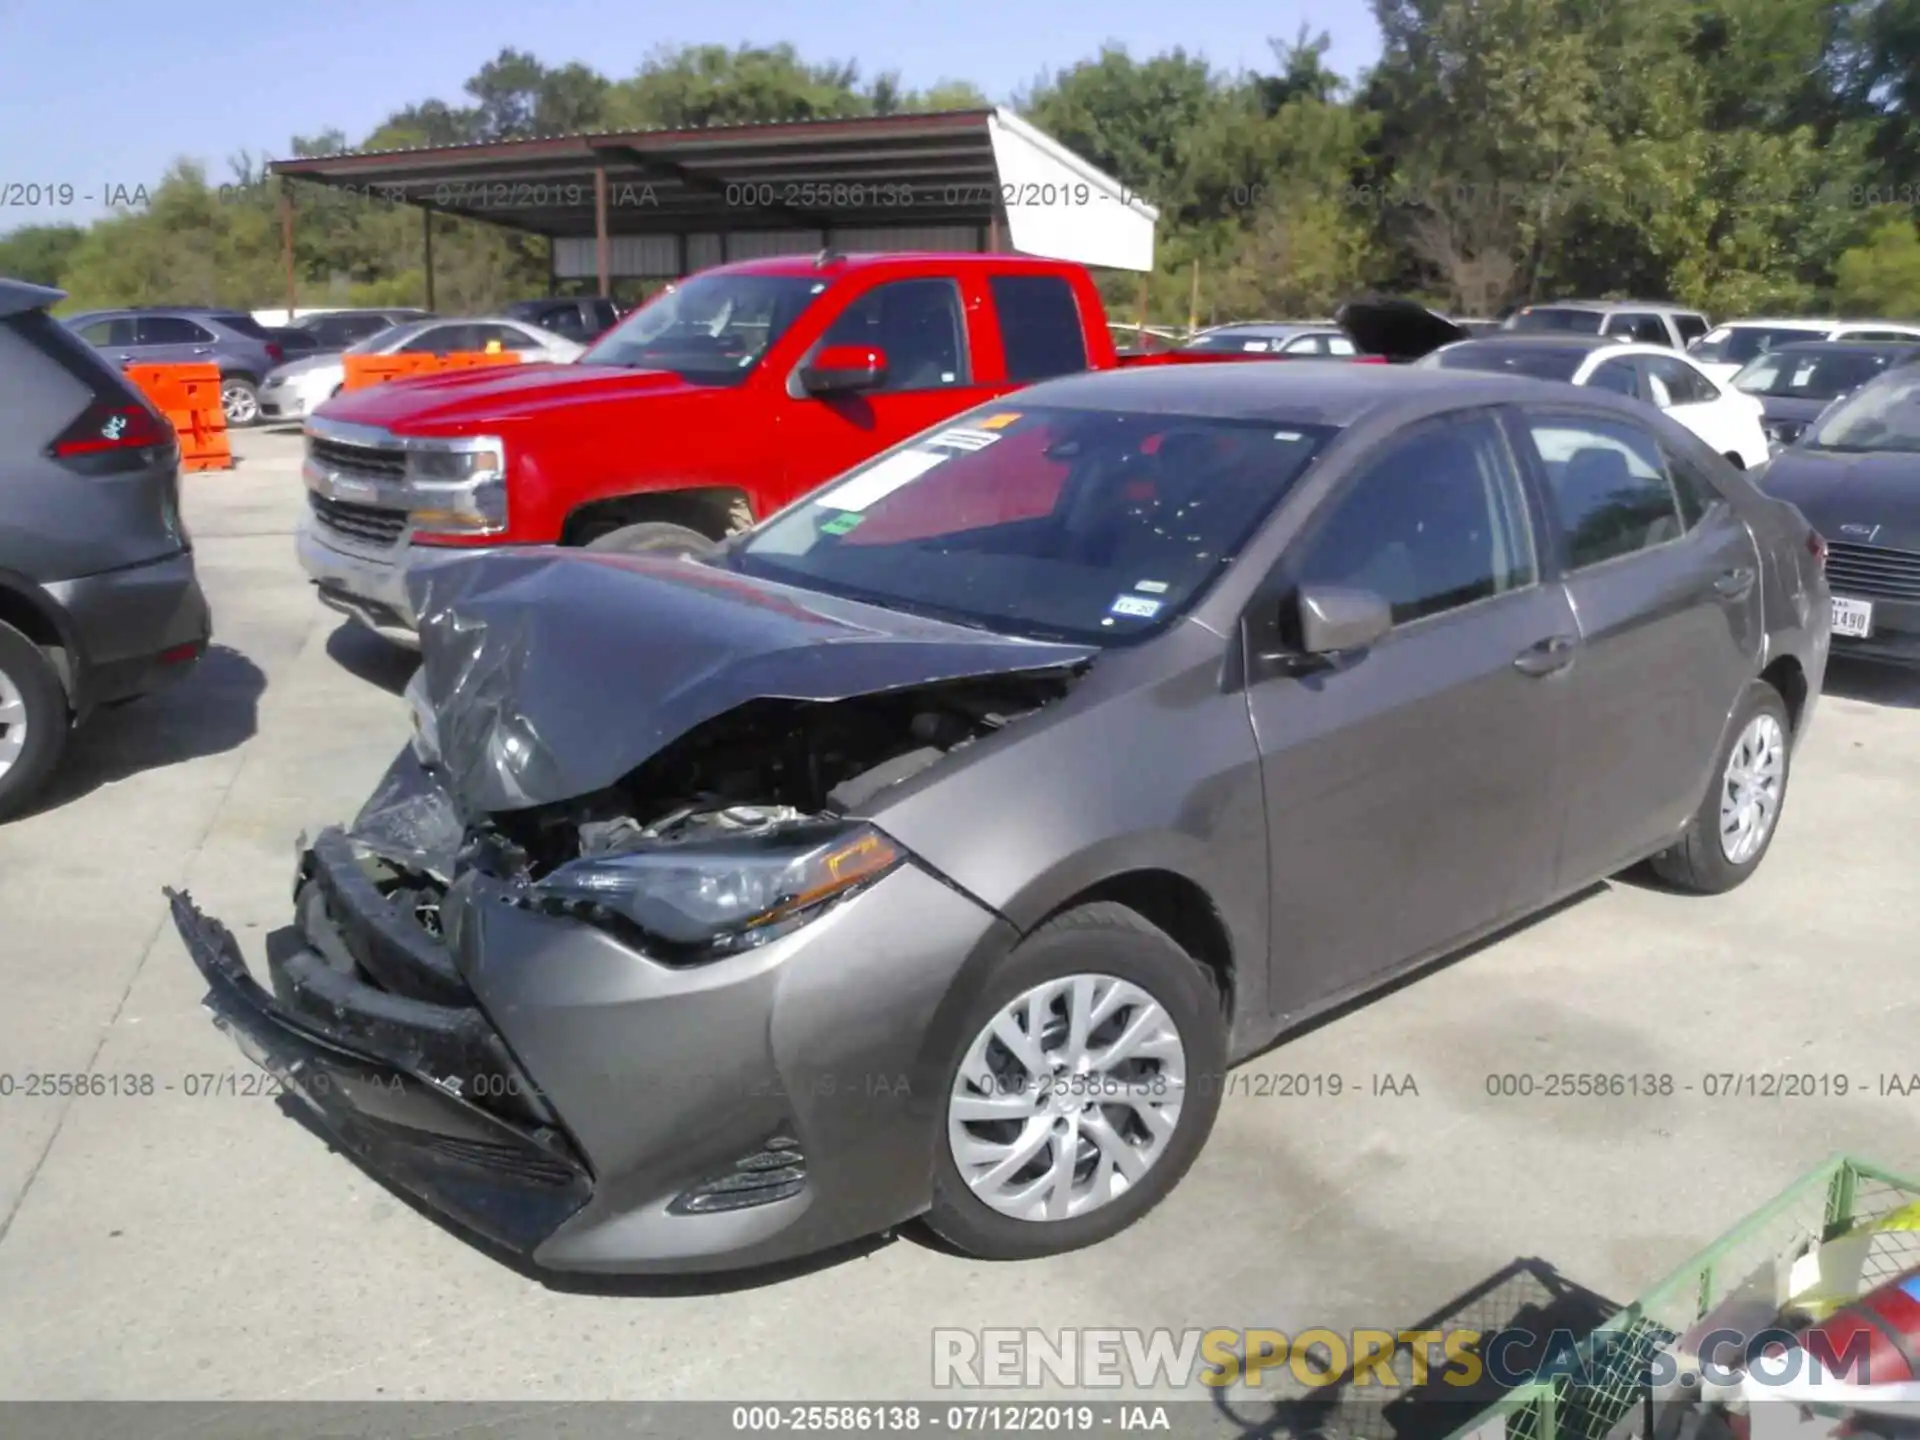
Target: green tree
[(39, 254), (1882, 276)]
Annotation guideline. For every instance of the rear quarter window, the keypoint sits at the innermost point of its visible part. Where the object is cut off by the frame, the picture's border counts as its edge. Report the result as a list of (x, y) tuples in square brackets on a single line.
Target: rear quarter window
[(1040, 327)]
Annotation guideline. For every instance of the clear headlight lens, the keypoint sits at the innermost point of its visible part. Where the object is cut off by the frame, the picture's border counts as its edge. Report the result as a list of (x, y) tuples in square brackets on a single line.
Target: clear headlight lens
[(732, 893), (459, 492)]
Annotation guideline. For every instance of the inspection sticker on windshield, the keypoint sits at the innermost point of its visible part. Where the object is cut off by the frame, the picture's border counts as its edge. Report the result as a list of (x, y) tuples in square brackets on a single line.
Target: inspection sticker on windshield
[(961, 438), (881, 479), (1136, 606), (1152, 587), (841, 523), (1000, 421)]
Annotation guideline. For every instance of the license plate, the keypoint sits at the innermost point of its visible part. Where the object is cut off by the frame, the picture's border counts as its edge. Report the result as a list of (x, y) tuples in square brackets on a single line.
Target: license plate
[(1852, 618)]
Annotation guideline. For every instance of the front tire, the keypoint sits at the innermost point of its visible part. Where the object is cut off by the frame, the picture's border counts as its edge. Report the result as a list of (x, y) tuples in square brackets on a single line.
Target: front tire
[(1084, 1086), (1734, 827), (34, 721), (652, 537)]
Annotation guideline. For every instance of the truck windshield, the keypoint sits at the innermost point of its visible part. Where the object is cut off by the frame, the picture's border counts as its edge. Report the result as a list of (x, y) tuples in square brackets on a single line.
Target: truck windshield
[(713, 329), (1083, 525)]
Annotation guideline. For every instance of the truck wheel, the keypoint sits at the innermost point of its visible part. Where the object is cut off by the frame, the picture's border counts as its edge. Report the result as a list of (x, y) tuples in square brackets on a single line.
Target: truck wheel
[(33, 720), (652, 537)]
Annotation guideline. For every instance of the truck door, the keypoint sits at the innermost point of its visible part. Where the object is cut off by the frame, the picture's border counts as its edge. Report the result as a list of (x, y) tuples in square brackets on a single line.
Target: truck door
[(920, 325)]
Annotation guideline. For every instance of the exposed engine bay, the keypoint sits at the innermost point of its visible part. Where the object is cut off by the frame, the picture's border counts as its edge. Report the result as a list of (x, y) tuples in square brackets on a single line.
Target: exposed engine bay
[(768, 765)]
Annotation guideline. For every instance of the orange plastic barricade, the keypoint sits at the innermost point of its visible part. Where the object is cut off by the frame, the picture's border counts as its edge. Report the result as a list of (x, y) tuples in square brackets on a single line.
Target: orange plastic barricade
[(189, 397), (478, 359), (365, 370)]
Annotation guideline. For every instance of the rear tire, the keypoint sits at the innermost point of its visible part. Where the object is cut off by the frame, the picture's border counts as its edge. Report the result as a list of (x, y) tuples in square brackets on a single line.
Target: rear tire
[(240, 402), (34, 721), (652, 537), (1095, 946), (1734, 827)]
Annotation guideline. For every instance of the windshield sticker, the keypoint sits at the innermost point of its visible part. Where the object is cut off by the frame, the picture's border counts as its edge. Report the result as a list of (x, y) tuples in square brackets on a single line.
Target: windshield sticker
[(841, 523), (961, 438), (881, 479), (1000, 421), (1288, 435), (1256, 345), (1152, 587), (1134, 605)]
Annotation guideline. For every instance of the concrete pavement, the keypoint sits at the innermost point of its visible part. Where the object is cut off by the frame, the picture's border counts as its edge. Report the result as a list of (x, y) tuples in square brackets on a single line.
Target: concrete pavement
[(206, 1246)]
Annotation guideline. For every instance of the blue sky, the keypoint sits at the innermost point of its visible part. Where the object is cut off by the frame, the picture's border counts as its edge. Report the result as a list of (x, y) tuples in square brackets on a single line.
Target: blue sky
[(98, 94)]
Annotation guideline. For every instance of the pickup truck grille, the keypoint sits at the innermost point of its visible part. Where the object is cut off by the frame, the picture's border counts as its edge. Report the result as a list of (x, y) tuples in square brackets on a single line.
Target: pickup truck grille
[(1873, 572), (368, 524), (368, 460)]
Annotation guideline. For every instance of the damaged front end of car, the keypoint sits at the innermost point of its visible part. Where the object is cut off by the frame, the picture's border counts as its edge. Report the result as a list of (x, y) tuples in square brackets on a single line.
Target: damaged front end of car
[(597, 1025)]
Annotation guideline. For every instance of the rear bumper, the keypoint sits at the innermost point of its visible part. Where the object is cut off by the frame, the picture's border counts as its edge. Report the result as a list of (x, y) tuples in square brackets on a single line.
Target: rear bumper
[(138, 629)]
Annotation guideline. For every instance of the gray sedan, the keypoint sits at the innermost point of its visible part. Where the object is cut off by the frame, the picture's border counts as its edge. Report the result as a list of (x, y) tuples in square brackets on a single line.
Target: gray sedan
[(933, 848)]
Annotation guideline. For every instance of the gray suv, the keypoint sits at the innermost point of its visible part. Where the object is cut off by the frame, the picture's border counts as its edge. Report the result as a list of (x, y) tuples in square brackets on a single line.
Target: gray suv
[(1647, 322), (189, 335), (98, 598)]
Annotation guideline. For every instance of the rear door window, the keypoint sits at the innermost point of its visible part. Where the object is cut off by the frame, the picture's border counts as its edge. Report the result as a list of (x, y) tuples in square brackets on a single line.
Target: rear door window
[(441, 340), (1040, 327), (172, 330)]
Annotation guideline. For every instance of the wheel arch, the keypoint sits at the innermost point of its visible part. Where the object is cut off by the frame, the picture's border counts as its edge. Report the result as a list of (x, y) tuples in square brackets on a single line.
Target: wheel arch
[(25, 607), (715, 511)]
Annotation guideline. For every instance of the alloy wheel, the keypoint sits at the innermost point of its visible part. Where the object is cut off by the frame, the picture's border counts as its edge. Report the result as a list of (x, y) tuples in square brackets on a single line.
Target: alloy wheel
[(1750, 790), (13, 723), (1066, 1098), (239, 403)]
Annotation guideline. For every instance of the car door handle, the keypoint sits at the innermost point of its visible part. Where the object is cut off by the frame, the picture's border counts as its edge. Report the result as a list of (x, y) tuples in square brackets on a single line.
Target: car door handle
[(1549, 657), (1735, 584)]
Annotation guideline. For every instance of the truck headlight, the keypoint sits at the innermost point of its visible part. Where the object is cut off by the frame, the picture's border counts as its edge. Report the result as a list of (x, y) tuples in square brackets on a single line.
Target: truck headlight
[(727, 894), (458, 491)]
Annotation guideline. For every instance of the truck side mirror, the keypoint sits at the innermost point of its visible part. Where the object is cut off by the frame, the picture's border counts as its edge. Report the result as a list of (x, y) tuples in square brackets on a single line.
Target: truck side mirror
[(844, 370)]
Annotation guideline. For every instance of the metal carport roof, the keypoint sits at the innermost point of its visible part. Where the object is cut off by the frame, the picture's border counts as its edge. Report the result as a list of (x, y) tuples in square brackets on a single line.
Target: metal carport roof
[(984, 171)]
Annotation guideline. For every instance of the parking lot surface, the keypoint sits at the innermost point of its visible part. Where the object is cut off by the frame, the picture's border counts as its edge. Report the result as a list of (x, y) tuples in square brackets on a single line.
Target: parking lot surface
[(197, 1243)]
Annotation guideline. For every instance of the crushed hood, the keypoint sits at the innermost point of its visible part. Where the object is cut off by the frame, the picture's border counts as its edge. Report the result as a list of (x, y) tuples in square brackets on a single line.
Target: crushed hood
[(1398, 329), (553, 673)]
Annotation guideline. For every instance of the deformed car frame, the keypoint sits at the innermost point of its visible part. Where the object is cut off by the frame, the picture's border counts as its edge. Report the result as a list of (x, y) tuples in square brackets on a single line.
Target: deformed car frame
[(724, 910)]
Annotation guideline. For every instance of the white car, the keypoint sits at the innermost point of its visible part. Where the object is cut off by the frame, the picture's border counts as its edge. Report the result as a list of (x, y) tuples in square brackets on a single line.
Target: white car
[(295, 390), (1721, 352), (1727, 419)]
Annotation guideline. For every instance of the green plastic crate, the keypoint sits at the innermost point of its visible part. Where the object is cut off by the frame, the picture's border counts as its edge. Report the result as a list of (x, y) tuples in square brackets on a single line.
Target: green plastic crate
[(1819, 1206)]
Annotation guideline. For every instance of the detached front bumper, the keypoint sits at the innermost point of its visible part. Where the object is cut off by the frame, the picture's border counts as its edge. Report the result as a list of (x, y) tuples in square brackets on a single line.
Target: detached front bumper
[(583, 1104)]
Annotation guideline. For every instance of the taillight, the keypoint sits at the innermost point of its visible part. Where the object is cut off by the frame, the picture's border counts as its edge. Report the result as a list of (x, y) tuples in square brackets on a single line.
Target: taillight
[(1817, 547), (275, 353), (104, 426)]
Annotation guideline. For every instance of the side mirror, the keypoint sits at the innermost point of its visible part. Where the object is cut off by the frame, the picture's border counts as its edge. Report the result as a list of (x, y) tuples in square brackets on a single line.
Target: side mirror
[(844, 370), (1333, 619)]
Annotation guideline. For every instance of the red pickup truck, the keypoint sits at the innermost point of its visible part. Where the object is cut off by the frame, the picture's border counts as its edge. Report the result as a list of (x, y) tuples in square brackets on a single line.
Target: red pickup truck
[(716, 404)]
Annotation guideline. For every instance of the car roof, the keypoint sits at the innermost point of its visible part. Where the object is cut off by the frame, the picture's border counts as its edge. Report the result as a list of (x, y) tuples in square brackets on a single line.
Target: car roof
[(1788, 322), (920, 261), (1553, 340), (1667, 306), (1329, 392)]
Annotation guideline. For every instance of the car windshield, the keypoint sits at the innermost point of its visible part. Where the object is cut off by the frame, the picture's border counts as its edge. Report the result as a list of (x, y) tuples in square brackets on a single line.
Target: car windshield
[(1243, 340), (1539, 317), (1082, 525), (1809, 375), (1882, 415), (1542, 362), (712, 329), (1737, 344)]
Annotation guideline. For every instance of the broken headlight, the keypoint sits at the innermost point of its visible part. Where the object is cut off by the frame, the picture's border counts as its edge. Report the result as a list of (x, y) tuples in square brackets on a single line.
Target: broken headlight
[(731, 893)]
